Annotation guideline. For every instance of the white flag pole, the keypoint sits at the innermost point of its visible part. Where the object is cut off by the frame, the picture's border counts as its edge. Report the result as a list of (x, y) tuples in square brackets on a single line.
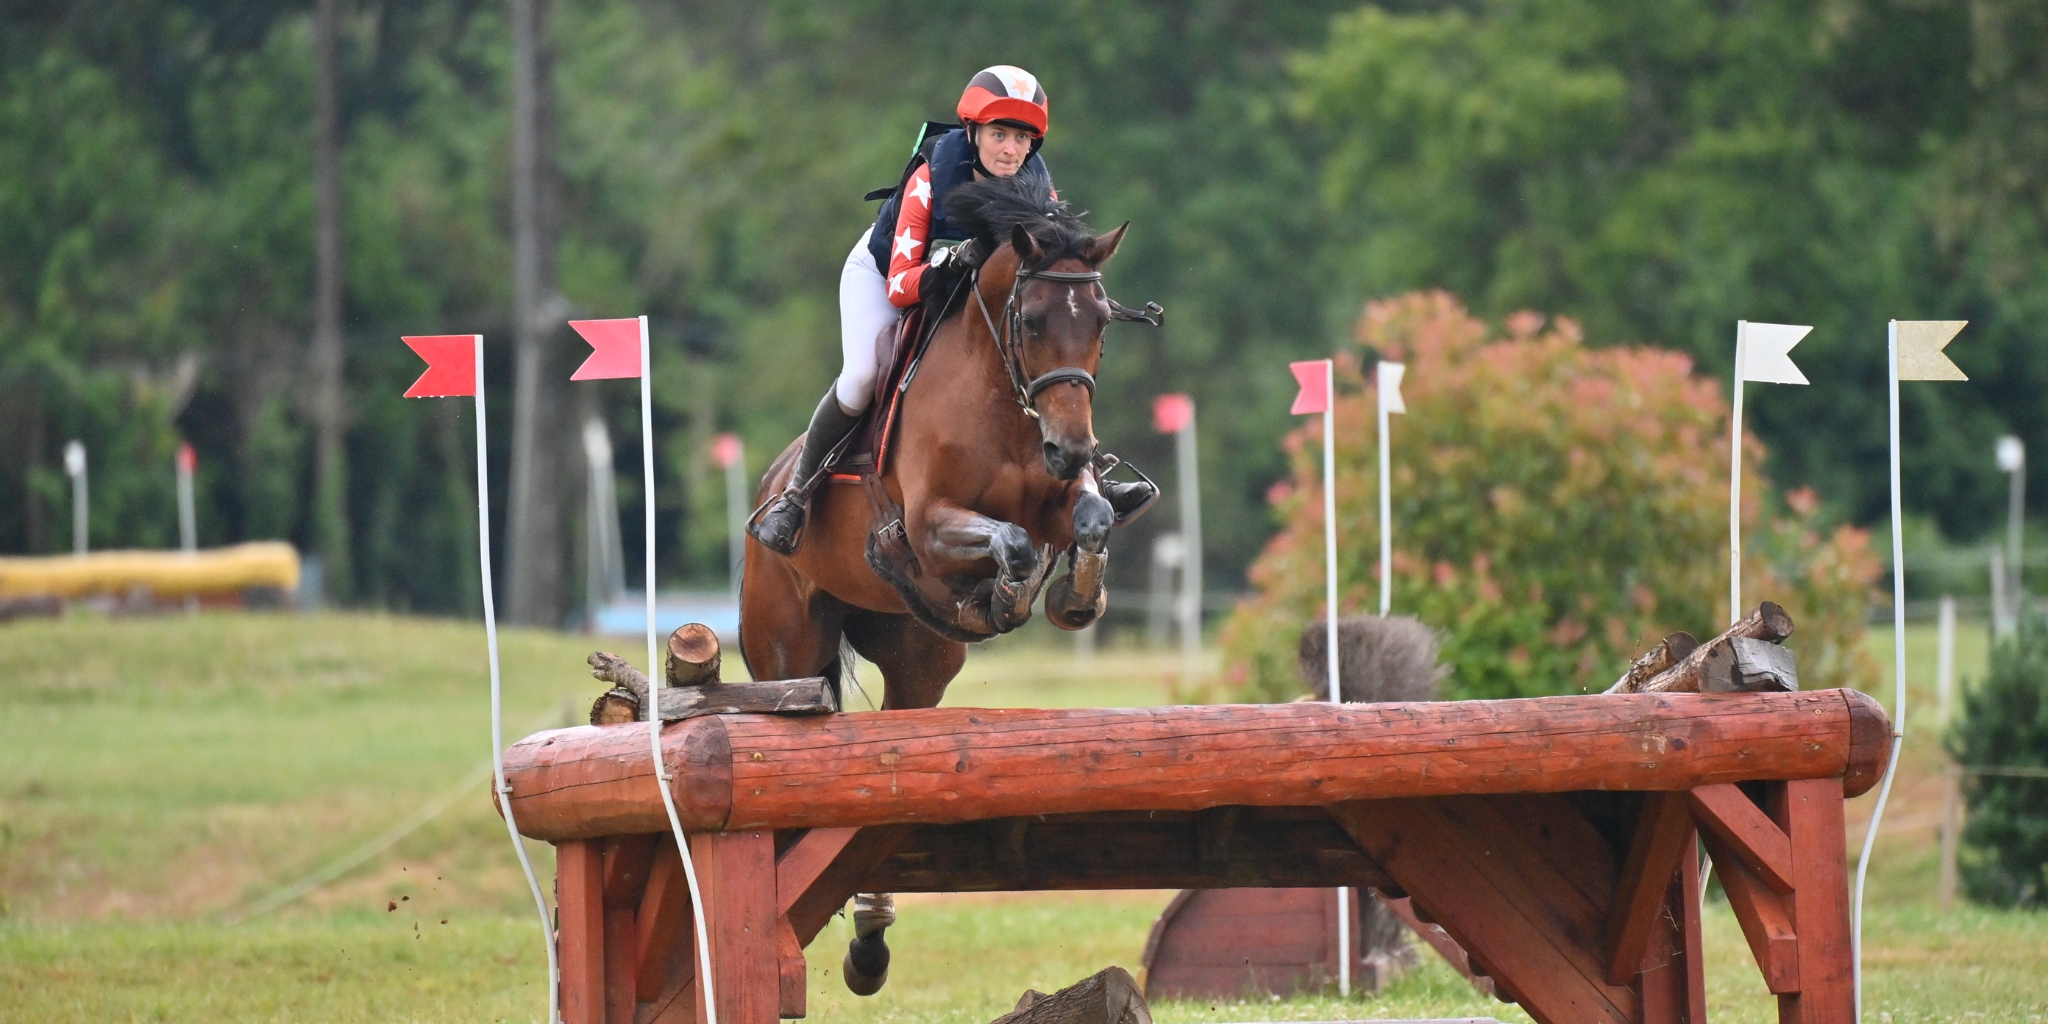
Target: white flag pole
[(483, 561), (1389, 381), (1735, 488), (1330, 624), (657, 679), (1898, 663)]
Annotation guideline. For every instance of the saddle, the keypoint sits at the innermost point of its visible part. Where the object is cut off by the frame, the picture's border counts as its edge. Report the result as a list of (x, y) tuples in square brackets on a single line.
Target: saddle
[(864, 452)]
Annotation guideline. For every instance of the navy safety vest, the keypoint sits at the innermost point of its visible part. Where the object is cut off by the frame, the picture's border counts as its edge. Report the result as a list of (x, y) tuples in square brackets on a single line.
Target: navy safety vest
[(946, 148)]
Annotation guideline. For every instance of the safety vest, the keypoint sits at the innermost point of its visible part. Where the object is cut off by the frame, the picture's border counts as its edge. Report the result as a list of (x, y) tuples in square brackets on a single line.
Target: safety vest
[(945, 147)]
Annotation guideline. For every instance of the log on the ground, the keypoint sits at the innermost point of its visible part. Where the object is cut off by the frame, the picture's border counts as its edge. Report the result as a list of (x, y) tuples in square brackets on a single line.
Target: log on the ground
[(1715, 659), (1668, 652), (693, 658), (811, 696), (1110, 996)]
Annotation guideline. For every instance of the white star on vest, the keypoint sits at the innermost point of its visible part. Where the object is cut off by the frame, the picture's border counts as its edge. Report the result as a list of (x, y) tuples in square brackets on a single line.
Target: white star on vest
[(921, 190), (907, 244), (896, 282)]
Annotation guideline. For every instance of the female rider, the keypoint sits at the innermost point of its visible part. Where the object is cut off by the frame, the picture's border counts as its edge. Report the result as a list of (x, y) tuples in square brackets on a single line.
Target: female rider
[(1003, 117)]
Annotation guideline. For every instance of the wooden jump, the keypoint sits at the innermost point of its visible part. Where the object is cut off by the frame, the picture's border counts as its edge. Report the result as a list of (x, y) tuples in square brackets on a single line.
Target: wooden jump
[(1550, 837)]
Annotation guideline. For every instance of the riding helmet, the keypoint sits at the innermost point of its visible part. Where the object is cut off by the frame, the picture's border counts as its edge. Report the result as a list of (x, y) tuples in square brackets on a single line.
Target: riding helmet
[(1005, 93)]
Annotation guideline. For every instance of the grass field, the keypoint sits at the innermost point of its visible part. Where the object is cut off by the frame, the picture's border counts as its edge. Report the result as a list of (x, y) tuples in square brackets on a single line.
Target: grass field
[(159, 778)]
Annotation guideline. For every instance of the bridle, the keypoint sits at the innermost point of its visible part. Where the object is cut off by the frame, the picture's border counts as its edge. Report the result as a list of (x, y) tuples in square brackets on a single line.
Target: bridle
[(1009, 340)]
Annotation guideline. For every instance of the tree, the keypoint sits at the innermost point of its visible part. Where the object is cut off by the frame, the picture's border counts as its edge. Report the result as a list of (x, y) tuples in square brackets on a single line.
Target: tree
[(325, 358), (2001, 741), (1558, 508)]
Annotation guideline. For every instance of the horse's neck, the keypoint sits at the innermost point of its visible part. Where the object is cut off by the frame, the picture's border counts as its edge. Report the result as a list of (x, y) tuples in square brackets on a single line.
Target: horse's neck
[(975, 365)]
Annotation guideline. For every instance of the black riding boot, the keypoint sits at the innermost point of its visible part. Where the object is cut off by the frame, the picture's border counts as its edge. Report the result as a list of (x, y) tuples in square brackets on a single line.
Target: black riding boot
[(1129, 500), (780, 527)]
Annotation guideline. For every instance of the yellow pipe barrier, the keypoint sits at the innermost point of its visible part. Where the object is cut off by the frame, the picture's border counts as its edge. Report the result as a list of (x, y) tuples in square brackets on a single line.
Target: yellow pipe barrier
[(163, 573)]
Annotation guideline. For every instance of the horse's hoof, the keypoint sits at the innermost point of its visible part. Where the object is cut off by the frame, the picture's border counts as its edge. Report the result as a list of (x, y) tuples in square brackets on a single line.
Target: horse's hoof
[(1065, 609), (866, 966)]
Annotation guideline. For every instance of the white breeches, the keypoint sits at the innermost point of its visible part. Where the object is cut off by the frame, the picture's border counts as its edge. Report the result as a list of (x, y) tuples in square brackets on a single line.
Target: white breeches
[(864, 311)]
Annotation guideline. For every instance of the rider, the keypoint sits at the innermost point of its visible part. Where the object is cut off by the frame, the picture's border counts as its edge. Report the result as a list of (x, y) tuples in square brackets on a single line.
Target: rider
[(1003, 117)]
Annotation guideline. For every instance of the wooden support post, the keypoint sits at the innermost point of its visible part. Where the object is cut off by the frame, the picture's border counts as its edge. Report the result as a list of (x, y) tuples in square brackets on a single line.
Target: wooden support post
[(1810, 811), (810, 910), (1663, 837), (627, 860), (663, 921), (579, 903), (1501, 898), (791, 970), (736, 873), (1671, 977), (1727, 812), (803, 863)]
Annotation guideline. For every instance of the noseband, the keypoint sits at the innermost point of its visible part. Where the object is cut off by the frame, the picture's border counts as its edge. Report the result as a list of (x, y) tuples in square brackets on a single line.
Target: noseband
[(1009, 343)]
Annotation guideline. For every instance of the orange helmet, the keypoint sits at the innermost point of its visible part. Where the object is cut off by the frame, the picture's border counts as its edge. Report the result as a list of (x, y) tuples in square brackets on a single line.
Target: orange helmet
[(1005, 93)]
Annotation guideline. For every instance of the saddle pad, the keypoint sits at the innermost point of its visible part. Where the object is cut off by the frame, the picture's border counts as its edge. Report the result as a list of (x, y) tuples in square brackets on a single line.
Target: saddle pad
[(866, 450)]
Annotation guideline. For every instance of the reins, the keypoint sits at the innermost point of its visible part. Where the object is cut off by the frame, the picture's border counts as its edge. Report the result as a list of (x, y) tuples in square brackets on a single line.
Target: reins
[(1009, 344)]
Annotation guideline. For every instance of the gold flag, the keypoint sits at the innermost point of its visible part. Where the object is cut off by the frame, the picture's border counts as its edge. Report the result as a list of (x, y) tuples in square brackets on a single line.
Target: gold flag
[(1920, 345)]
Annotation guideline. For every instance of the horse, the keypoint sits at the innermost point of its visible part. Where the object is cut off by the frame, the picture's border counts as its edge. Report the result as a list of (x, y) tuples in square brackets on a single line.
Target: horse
[(992, 473)]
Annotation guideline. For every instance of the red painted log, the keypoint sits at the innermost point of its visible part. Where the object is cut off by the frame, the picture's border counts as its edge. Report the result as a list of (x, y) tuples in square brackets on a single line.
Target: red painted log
[(965, 764)]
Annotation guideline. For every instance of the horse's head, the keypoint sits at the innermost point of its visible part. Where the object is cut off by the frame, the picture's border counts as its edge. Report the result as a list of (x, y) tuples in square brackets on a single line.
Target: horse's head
[(1052, 335)]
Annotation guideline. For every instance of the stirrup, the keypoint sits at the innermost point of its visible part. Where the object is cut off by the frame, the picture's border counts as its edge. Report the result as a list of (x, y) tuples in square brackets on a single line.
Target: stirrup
[(1104, 464), (779, 525)]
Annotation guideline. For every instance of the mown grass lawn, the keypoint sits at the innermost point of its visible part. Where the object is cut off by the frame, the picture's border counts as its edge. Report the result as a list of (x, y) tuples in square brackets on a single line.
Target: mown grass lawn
[(159, 777)]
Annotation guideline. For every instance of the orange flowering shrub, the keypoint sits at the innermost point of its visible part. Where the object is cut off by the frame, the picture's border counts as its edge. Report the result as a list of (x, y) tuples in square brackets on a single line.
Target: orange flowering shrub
[(1556, 509)]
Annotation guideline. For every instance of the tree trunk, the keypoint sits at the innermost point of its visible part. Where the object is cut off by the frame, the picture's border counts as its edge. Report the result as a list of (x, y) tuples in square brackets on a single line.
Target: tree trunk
[(1110, 996), (536, 527), (325, 362)]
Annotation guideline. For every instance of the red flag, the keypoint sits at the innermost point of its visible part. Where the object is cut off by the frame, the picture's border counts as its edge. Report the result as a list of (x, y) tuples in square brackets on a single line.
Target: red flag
[(188, 460), (615, 348), (1171, 414), (725, 450), (1314, 378), (451, 366)]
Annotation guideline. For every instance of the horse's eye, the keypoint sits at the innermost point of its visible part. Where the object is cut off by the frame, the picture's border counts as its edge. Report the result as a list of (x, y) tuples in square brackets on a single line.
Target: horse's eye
[(1032, 322)]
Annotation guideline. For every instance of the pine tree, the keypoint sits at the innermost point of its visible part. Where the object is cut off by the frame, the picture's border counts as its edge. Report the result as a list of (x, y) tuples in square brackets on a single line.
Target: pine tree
[(2002, 742)]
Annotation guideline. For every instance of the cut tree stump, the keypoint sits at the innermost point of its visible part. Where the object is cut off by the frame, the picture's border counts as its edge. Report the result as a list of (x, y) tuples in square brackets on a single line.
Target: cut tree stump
[(693, 657), (693, 688), (1109, 996)]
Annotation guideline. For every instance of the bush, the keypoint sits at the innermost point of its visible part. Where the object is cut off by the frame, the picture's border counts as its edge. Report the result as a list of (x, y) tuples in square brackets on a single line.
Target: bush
[(1557, 509), (2004, 725)]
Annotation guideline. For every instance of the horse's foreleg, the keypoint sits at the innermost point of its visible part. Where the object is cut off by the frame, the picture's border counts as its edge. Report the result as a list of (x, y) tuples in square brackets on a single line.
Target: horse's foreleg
[(999, 605), (1079, 598)]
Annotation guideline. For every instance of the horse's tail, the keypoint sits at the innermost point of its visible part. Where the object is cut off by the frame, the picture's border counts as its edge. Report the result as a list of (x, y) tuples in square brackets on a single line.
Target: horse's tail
[(844, 679)]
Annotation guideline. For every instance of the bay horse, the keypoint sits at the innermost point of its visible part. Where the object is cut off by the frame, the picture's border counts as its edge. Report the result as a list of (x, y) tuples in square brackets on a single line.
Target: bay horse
[(992, 473)]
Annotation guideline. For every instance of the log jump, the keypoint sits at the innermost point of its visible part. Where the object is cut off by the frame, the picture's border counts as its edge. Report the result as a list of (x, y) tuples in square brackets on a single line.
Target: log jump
[(1552, 838)]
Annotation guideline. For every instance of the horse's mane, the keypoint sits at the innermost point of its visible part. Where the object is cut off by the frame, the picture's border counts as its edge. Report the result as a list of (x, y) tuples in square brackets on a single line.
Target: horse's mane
[(990, 209)]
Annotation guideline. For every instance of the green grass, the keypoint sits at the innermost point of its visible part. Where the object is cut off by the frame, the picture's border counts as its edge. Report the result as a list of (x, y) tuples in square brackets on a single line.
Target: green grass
[(159, 776)]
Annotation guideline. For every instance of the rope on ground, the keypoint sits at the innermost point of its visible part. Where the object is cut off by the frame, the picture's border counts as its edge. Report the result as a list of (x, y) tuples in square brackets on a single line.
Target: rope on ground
[(389, 838)]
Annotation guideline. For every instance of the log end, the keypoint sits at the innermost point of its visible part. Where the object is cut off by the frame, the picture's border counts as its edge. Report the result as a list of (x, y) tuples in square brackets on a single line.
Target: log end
[(614, 707), (1775, 621), (693, 655), (1870, 743)]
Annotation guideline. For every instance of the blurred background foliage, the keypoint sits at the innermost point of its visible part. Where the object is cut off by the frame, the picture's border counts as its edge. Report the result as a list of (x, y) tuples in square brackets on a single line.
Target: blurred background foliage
[(1559, 508), (1652, 172)]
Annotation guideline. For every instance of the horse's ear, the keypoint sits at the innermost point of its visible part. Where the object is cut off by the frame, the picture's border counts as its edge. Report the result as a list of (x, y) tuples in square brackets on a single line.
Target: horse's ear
[(1025, 245), (1104, 246)]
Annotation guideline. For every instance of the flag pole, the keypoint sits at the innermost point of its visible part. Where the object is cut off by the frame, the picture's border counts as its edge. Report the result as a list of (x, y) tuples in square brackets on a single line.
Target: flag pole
[(483, 561), (1898, 660), (1330, 624), (1735, 487), (657, 679), (1386, 508)]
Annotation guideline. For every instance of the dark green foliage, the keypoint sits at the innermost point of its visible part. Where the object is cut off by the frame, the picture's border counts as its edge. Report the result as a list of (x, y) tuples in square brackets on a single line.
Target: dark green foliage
[(2004, 727), (1654, 170)]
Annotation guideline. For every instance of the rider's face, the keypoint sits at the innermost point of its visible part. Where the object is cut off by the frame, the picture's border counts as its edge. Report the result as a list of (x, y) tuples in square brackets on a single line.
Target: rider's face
[(1003, 148)]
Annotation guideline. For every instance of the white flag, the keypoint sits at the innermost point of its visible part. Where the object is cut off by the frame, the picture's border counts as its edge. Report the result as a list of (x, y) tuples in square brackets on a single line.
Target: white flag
[(1767, 352), (1390, 386)]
